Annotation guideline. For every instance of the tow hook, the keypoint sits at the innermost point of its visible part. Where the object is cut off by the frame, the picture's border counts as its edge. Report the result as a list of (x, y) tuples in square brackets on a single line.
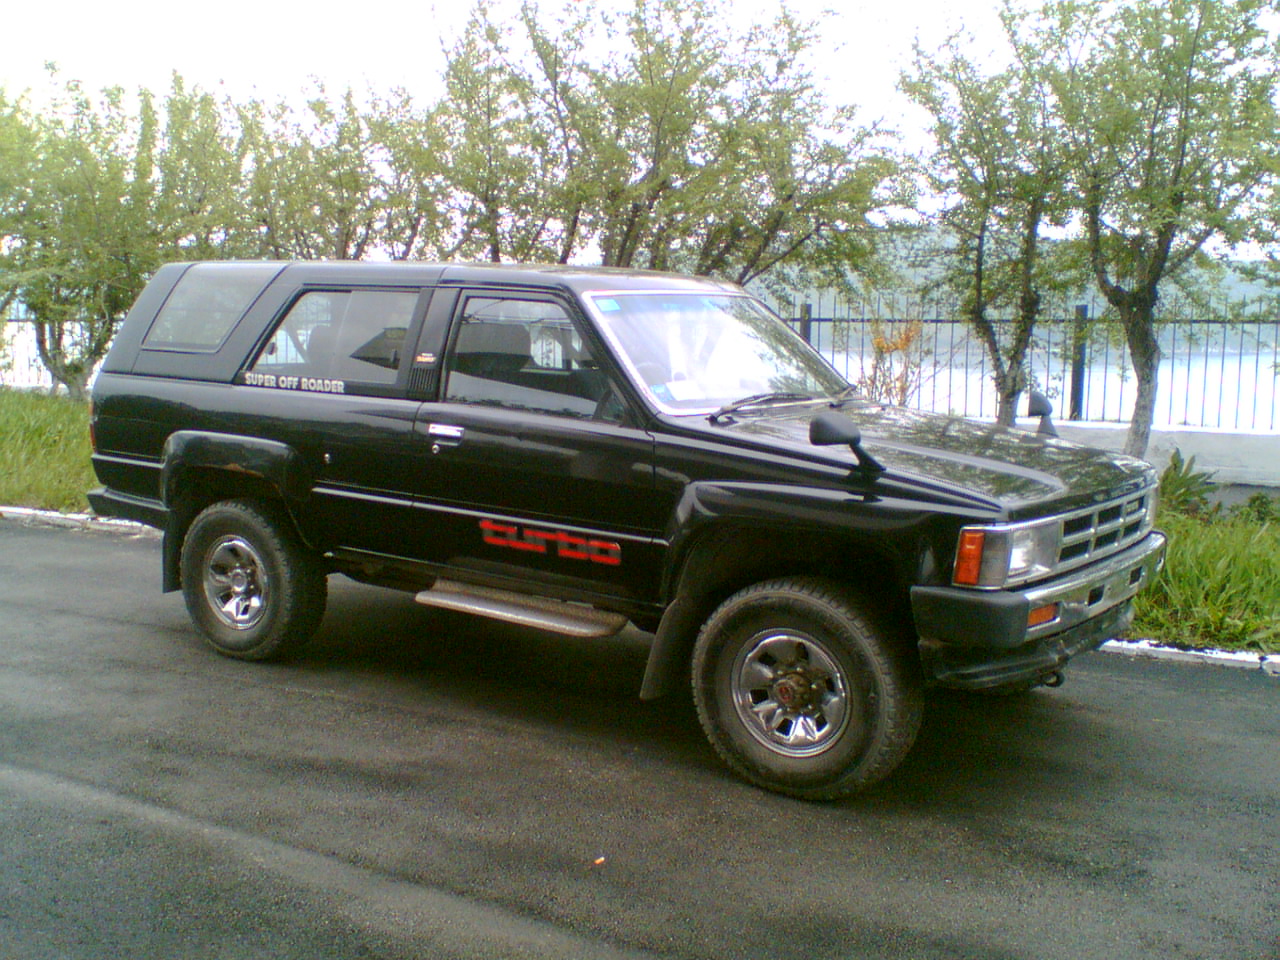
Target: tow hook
[(1055, 679)]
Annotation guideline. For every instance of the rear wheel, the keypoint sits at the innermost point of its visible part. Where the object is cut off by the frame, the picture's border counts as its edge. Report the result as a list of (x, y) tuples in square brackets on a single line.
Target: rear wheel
[(251, 587), (801, 692)]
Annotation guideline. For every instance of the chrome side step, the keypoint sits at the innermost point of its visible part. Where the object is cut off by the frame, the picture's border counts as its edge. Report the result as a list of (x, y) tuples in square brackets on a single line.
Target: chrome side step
[(542, 613)]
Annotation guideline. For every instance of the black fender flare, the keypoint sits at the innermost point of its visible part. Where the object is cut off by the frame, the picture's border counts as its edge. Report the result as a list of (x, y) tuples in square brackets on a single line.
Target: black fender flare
[(254, 464), (704, 525), (726, 535)]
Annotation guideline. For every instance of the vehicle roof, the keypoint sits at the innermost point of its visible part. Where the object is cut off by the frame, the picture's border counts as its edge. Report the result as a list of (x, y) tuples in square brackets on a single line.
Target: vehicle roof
[(579, 279)]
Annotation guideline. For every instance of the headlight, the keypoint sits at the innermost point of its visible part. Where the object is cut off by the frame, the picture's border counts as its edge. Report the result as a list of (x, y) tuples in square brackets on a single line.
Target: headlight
[(1033, 550), (998, 556)]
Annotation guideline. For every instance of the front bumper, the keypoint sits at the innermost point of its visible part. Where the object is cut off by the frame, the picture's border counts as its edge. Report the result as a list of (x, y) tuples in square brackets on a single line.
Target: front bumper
[(977, 639)]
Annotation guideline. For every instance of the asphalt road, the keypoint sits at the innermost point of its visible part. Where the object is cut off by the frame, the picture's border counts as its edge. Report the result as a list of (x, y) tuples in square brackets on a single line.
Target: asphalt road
[(420, 786)]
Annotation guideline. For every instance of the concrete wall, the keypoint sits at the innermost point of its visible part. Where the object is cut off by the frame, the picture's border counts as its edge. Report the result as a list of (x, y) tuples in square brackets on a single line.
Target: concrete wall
[(1236, 459)]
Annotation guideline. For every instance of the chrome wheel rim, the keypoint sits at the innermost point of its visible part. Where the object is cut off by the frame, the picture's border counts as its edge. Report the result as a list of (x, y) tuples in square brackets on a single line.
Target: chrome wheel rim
[(790, 693), (235, 583)]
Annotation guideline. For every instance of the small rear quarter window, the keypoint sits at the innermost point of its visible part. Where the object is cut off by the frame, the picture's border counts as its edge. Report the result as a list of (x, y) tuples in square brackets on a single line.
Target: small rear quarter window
[(206, 304)]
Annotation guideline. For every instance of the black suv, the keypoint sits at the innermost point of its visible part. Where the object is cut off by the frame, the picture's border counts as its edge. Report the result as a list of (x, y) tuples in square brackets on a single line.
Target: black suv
[(574, 449)]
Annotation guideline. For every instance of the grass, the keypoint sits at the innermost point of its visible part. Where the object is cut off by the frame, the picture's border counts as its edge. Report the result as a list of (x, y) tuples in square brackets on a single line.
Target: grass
[(44, 451), (1220, 586)]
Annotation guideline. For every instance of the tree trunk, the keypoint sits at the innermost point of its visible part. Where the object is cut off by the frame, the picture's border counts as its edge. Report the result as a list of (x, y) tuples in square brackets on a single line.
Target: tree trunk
[(77, 387), (1007, 412), (1144, 350), (73, 373)]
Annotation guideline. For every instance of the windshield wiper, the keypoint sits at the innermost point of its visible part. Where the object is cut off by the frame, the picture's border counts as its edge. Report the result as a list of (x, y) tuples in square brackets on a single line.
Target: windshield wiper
[(754, 400), (844, 396)]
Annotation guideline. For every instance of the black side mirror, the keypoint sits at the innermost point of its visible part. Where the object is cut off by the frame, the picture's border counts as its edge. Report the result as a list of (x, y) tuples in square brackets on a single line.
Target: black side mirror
[(1038, 405), (830, 428)]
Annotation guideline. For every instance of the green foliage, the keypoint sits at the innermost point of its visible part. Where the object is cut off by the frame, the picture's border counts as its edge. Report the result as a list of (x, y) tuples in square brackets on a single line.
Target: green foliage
[(44, 451), (1169, 108), (76, 221), (658, 134), (1219, 586), (315, 184), (1259, 508), (661, 134), (1184, 489), (674, 134), (1146, 130)]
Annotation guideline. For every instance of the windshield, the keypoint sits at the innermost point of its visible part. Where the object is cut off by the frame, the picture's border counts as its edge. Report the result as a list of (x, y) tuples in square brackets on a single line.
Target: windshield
[(696, 353)]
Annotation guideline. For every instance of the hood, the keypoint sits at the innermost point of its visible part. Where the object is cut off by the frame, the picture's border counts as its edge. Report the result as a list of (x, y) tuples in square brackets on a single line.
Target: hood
[(1014, 468)]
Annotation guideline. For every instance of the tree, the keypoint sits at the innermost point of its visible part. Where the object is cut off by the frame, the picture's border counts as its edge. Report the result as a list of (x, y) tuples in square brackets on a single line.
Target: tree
[(500, 176), (200, 166), (1169, 111), (688, 147), (724, 157), (999, 161), (17, 161), (317, 183), (416, 214), (78, 238)]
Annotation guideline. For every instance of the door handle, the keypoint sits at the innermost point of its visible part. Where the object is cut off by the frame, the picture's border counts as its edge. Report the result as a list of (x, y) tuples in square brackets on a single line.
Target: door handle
[(444, 435)]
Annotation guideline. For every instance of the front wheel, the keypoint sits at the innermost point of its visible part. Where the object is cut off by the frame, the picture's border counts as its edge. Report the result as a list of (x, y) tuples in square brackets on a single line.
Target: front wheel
[(801, 692), (252, 588)]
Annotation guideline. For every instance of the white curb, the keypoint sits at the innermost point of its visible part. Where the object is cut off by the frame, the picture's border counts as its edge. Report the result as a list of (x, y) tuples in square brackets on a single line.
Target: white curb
[(78, 521), (1149, 649)]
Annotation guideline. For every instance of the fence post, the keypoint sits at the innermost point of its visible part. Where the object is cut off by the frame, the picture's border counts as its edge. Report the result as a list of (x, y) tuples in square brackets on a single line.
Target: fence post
[(806, 322), (1079, 345)]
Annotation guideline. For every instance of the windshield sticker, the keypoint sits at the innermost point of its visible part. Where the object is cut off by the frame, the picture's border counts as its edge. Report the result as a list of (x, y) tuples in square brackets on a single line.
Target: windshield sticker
[(608, 306), (309, 384)]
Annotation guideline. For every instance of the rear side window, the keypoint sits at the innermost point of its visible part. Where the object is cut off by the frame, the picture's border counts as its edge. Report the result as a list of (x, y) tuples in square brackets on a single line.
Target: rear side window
[(330, 338), (206, 304)]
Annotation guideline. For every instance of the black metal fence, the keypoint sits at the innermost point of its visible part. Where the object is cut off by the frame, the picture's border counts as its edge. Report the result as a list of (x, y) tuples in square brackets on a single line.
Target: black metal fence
[(1216, 374)]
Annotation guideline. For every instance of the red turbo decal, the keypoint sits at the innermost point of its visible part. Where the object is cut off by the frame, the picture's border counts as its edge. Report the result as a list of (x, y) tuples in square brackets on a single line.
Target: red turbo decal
[(565, 544)]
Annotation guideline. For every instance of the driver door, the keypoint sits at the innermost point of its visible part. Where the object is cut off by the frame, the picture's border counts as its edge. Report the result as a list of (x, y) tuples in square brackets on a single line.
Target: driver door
[(536, 468)]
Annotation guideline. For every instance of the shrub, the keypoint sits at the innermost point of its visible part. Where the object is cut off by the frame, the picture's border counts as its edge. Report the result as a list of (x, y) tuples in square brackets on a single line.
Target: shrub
[(1183, 489), (1259, 508)]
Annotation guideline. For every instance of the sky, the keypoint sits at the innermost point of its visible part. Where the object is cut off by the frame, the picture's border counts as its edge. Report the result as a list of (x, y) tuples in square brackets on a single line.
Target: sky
[(271, 49)]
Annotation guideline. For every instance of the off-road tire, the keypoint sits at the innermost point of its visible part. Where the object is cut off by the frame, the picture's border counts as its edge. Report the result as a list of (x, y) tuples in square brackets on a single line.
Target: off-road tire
[(251, 587), (802, 691)]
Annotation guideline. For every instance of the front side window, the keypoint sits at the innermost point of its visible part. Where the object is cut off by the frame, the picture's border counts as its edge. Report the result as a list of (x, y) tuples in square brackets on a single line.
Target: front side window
[(694, 353), (527, 355), (338, 337)]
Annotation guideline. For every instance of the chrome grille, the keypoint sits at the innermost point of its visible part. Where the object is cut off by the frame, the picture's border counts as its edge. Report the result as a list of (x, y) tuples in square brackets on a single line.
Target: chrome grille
[(1105, 529)]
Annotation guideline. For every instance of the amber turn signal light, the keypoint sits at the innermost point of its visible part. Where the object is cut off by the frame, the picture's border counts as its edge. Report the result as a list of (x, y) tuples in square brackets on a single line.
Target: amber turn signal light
[(969, 556), (1045, 614)]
